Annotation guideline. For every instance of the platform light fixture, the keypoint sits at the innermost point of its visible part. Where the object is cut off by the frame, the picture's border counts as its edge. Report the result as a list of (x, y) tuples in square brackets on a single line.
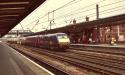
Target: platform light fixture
[(8, 15), (11, 3), (5, 20), (18, 8)]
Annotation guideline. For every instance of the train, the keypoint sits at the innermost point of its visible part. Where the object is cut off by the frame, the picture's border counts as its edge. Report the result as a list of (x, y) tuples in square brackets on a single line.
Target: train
[(57, 41)]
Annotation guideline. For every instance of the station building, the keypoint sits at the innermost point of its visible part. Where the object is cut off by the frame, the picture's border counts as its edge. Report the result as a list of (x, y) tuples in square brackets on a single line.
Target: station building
[(117, 32)]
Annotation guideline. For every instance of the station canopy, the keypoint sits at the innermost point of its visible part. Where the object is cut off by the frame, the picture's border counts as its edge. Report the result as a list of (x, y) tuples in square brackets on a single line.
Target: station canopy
[(14, 11)]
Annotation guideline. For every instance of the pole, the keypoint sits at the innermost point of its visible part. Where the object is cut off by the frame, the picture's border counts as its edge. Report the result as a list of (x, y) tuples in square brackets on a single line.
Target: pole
[(50, 25), (97, 11), (98, 29), (118, 33)]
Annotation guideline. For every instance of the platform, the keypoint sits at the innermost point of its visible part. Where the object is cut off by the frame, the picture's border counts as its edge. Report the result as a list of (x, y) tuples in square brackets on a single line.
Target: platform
[(101, 45), (14, 63)]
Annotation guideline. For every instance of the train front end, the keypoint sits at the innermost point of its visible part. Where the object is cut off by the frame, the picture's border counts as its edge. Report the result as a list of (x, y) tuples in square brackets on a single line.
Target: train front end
[(63, 40)]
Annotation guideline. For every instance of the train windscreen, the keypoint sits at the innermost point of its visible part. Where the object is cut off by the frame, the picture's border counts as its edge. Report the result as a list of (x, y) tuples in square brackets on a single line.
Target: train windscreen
[(63, 38)]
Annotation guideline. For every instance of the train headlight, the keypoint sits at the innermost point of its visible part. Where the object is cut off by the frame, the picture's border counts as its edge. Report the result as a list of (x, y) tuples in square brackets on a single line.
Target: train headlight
[(64, 40)]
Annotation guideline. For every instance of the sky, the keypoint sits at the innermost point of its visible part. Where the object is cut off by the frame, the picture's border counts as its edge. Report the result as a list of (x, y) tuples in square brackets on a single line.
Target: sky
[(62, 12)]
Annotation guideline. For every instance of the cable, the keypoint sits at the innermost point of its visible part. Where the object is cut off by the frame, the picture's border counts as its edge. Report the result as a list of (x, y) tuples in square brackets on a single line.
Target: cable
[(102, 12), (21, 26), (112, 3), (94, 14), (37, 19), (74, 13), (65, 5), (88, 9), (88, 6), (57, 9), (112, 11), (35, 25), (81, 11), (112, 8), (53, 10)]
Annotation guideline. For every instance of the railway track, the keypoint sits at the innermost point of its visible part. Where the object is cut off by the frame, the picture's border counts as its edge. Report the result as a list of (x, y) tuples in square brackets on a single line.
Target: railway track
[(99, 55), (109, 50), (105, 66), (113, 61), (96, 61)]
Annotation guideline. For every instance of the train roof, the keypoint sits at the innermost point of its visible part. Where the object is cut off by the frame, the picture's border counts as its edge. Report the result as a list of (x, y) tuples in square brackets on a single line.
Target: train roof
[(47, 35), (54, 34)]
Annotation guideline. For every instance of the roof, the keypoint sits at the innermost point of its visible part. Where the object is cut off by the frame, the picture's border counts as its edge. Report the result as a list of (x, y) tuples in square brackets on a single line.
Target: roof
[(14, 11)]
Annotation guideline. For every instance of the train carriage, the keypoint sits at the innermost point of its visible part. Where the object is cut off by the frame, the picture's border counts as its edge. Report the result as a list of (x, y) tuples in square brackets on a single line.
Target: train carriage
[(58, 41)]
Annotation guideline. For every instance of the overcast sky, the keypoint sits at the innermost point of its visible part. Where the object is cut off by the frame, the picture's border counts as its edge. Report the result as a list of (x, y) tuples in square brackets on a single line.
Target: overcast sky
[(67, 10)]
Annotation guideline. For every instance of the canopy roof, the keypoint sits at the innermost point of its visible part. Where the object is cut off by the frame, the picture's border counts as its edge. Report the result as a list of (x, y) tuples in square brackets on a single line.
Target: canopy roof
[(14, 11)]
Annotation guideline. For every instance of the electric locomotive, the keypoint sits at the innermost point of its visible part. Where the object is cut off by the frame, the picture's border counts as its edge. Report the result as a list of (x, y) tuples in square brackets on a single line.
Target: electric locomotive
[(56, 41)]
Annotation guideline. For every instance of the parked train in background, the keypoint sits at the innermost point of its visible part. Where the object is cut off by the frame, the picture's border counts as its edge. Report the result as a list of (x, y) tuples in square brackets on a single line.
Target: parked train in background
[(51, 41)]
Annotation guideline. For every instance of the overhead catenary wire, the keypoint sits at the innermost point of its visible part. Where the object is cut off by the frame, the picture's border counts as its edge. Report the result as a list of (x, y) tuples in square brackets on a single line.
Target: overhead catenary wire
[(94, 14), (65, 5), (54, 10), (35, 25), (74, 13), (112, 3), (87, 6), (90, 16), (103, 11), (37, 19), (21, 26), (118, 8), (87, 10)]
